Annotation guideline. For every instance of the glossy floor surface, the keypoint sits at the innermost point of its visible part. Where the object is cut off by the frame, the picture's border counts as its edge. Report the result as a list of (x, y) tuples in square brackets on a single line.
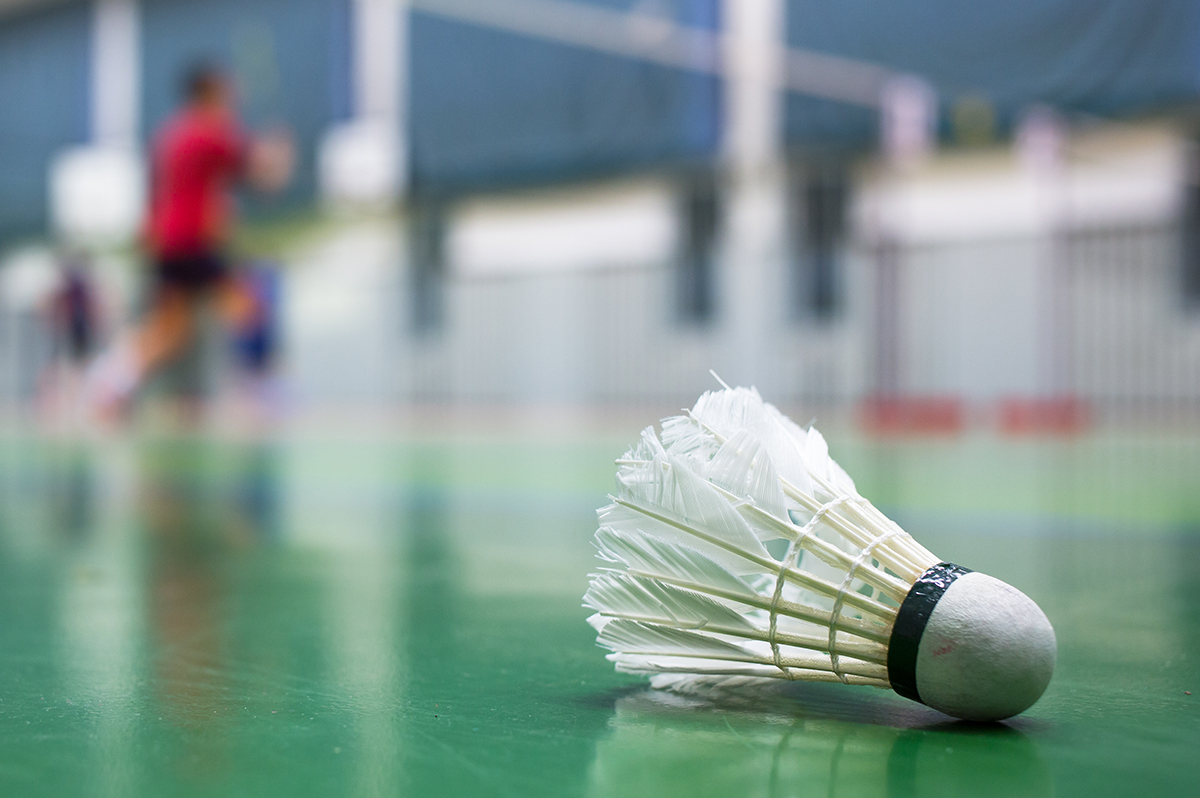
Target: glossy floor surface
[(334, 617)]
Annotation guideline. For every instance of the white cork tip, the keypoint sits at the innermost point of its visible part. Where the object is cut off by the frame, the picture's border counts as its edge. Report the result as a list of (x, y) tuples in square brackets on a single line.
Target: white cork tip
[(987, 652)]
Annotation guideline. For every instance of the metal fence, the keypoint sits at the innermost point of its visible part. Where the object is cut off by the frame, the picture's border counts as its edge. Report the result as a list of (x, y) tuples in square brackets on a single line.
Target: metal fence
[(1096, 317)]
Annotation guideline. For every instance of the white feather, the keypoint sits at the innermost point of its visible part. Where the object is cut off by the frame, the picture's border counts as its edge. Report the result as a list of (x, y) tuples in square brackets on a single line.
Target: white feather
[(659, 493), (649, 640), (622, 595), (687, 590), (650, 556), (725, 412), (743, 467)]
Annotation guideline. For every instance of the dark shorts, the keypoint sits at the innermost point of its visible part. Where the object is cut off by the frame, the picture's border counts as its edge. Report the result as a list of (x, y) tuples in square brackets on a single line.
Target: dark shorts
[(191, 272)]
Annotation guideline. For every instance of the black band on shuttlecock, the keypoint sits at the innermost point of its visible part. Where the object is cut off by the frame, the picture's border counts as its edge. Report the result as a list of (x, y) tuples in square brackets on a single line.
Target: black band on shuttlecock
[(911, 619)]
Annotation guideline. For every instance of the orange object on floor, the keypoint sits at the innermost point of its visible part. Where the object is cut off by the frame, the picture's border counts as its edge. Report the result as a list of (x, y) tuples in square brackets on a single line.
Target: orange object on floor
[(1063, 415), (944, 415)]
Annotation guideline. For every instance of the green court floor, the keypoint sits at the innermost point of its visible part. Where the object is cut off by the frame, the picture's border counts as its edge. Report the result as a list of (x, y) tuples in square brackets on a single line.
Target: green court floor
[(401, 616)]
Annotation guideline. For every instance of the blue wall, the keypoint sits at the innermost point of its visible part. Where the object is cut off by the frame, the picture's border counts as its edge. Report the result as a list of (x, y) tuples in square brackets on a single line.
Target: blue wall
[(43, 106), (492, 108), (1110, 58)]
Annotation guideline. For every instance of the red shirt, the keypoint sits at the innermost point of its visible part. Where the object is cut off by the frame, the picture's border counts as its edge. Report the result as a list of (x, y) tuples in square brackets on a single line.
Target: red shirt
[(196, 158)]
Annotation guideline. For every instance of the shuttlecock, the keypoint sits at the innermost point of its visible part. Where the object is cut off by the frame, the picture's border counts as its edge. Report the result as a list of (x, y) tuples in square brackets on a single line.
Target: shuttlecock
[(736, 549)]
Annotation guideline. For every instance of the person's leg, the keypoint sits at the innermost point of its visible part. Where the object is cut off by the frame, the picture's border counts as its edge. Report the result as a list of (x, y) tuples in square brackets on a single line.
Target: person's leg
[(166, 329), (114, 377), (236, 303)]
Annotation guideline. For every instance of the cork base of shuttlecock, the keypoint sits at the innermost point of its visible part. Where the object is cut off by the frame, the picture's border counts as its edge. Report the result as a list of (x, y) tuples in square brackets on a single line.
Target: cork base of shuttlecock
[(987, 651)]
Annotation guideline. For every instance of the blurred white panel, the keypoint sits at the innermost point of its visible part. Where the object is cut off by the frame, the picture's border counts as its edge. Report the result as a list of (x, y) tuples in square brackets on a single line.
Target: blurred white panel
[(967, 206), (753, 136), (614, 226), (751, 272), (359, 163), (362, 162), (339, 314), (27, 278), (1125, 177), (115, 73), (379, 32), (97, 194)]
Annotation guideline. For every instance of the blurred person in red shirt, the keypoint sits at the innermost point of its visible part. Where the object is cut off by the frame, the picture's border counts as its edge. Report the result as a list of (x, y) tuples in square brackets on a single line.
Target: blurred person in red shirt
[(197, 159)]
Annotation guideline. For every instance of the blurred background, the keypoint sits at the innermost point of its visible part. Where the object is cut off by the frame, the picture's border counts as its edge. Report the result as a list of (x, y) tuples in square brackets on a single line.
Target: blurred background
[(345, 555), (914, 216)]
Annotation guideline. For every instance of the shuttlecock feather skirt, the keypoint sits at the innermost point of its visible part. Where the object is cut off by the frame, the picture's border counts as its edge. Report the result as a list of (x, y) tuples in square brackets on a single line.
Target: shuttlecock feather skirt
[(731, 554)]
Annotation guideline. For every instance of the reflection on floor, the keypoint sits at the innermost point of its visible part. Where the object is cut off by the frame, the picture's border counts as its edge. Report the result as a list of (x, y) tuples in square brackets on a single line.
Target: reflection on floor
[(316, 616)]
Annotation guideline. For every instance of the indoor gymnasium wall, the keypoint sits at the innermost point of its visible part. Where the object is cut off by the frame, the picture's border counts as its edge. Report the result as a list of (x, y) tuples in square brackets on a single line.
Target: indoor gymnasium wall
[(43, 107)]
